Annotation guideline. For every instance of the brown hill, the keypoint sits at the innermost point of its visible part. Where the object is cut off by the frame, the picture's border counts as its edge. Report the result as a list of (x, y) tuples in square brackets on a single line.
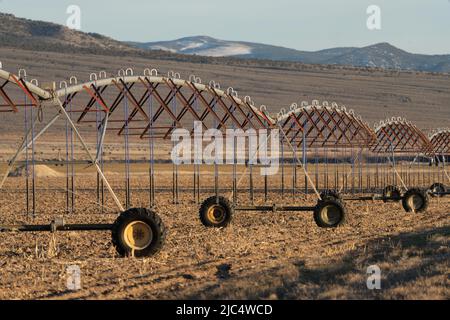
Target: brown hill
[(25, 33)]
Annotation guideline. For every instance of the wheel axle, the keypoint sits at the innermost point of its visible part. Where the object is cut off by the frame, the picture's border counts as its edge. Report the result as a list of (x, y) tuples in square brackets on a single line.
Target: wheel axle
[(52, 227)]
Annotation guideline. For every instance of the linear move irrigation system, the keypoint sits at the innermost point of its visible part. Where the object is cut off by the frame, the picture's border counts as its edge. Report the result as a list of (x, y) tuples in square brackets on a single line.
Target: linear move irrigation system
[(325, 150)]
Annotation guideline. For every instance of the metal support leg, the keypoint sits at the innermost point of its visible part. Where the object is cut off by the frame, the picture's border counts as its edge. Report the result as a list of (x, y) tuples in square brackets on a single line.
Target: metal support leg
[(303, 167), (26, 145), (97, 167)]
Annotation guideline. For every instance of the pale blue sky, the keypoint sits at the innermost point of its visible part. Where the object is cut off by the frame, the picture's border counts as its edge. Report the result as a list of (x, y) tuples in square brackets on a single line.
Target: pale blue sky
[(420, 26)]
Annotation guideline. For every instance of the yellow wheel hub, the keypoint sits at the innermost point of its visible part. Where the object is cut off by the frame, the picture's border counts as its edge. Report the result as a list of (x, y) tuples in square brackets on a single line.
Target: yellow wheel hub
[(330, 214), (216, 214), (138, 235)]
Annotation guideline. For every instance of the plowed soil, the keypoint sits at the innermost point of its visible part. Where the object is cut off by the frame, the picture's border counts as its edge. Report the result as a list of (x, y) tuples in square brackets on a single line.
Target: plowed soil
[(261, 255)]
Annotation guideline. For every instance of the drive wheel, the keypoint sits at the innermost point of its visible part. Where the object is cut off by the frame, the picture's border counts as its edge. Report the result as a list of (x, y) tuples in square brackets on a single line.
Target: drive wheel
[(138, 232), (437, 189), (331, 195), (391, 193), (329, 213), (216, 212), (415, 200)]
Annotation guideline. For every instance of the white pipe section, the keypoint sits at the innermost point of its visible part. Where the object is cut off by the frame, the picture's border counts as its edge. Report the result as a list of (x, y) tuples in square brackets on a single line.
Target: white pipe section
[(43, 94)]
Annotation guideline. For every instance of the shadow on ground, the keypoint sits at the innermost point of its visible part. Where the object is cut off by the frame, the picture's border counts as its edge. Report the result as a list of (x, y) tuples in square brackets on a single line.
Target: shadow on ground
[(413, 266)]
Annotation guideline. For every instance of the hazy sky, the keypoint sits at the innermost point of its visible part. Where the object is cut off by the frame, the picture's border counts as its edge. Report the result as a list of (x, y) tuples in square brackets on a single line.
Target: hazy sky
[(421, 26)]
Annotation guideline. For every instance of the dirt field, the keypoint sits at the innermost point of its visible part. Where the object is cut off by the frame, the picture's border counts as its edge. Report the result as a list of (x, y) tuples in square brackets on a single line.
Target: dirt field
[(260, 255)]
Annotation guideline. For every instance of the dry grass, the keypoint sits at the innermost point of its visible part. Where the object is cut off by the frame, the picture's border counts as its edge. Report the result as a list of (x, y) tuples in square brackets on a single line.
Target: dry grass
[(261, 255), (276, 256)]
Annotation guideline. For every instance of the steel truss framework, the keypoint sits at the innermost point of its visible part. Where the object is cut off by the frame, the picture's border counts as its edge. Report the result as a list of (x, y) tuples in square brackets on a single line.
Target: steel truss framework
[(401, 138), (325, 126), (399, 135), (181, 102), (440, 142), (152, 106), (178, 104)]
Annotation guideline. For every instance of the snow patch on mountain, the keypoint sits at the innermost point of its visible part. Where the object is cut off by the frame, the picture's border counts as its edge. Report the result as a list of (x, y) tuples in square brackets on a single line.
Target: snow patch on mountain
[(226, 51), (204, 46), (382, 55), (192, 45)]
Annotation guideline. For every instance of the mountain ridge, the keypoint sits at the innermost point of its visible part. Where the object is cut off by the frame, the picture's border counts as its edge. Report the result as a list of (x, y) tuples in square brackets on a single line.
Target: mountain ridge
[(46, 36), (382, 55)]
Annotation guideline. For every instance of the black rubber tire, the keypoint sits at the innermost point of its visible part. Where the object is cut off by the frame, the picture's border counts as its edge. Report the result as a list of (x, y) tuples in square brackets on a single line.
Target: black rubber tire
[(222, 204), (331, 195), (437, 188), (142, 215), (416, 193), (318, 213), (391, 194)]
